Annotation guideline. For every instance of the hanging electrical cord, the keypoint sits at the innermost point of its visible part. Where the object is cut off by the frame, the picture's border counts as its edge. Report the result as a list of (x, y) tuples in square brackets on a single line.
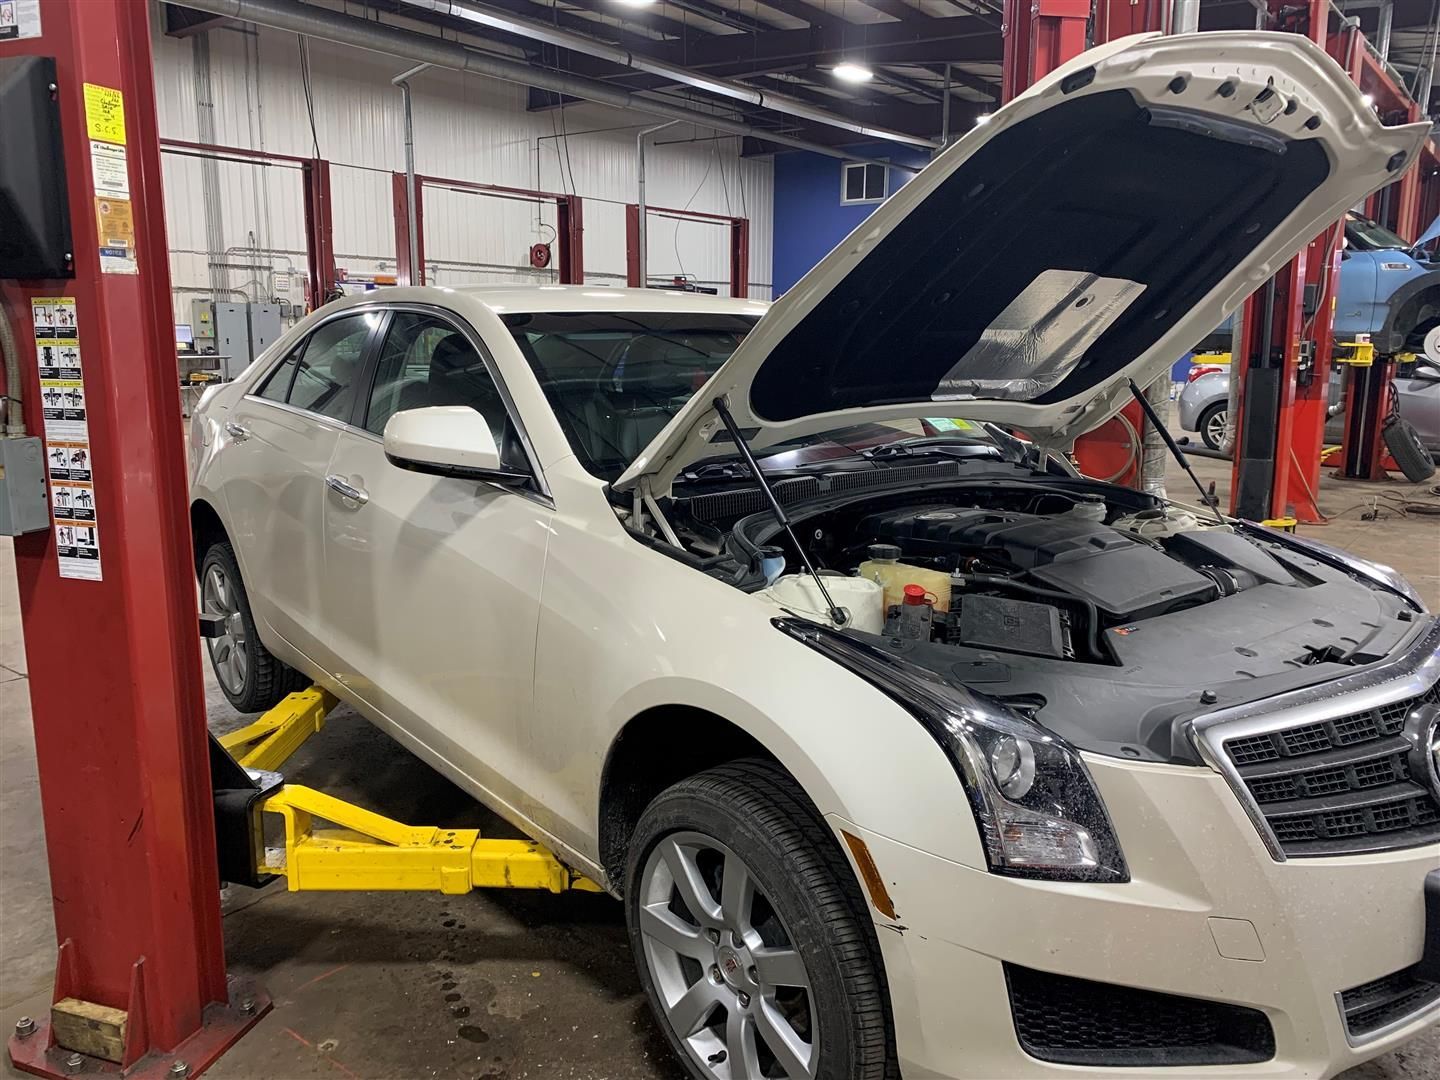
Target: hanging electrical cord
[(13, 419), (709, 164), (309, 93)]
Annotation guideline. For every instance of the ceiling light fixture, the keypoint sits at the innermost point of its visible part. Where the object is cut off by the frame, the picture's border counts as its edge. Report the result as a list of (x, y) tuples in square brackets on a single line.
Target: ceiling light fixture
[(847, 71), (983, 118), (636, 3), (1368, 99)]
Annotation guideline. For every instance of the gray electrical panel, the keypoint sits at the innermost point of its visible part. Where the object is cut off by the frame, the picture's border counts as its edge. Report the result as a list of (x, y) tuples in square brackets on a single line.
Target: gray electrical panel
[(243, 332), (265, 327), (24, 507), (232, 338)]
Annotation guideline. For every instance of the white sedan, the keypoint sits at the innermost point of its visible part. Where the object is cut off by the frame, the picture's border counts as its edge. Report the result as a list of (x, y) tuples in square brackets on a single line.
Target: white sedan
[(905, 746)]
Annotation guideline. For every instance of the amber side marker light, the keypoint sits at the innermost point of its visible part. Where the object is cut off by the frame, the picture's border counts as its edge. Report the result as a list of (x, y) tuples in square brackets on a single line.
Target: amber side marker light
[(870, 875)]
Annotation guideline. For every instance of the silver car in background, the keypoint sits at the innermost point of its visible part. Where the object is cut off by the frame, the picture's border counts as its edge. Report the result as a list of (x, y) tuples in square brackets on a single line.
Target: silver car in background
[(1202, 404)]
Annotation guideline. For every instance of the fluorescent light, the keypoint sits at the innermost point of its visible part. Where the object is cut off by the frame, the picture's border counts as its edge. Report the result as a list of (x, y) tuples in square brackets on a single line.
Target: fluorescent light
[(983, 118), (849, 72), (636, 3), (1368, 99)]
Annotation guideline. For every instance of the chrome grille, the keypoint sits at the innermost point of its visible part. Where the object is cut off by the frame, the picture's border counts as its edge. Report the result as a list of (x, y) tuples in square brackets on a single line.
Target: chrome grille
[(1341, 784)]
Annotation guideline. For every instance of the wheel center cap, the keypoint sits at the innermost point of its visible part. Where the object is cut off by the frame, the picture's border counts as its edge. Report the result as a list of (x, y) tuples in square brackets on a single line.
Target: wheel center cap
[(731, 966)]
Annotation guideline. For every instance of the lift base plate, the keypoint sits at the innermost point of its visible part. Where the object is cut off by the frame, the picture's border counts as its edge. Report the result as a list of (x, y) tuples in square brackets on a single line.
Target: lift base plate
[(222, 1024)]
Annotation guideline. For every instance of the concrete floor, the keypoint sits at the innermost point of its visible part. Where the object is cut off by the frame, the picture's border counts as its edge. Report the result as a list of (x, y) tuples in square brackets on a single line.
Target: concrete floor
[(497, 985)]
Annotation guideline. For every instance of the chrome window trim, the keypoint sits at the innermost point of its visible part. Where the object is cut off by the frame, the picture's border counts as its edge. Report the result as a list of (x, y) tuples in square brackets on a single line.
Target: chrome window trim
[(1409, 675), (290, 345), (471, 335), (1425, 1012)]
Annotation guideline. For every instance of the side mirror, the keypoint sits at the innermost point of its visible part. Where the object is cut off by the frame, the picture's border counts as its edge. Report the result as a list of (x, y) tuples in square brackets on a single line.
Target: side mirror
[(448, 440)]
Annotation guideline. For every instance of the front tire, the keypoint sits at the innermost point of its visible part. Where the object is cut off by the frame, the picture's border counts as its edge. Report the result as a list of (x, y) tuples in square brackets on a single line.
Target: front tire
[(250, 677), (1212, 425), (753, 941)]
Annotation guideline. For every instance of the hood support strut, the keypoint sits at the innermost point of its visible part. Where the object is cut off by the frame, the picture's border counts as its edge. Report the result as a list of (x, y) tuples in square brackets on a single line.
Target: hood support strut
[(837, 616)]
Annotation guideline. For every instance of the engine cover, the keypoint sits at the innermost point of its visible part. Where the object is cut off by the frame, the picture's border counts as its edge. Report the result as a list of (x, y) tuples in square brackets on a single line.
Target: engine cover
[(1124, 577)]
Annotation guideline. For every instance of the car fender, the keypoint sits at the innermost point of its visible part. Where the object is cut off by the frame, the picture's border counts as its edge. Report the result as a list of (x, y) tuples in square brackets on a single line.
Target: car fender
[(1390, 338), (625, 629)]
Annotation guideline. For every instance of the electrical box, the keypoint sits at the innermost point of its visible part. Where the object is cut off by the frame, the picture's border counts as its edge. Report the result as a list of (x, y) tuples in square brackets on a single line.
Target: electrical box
[(202, 323), (265, 327), (243, 332), (35, 239), (24, 507)]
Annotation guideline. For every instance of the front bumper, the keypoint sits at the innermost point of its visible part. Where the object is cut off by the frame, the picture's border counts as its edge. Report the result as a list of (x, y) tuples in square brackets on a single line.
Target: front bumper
[(1199, 874)]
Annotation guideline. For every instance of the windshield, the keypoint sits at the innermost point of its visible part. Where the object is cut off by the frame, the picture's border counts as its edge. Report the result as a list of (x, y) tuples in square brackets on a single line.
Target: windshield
[(1367, 235), (614, 379)]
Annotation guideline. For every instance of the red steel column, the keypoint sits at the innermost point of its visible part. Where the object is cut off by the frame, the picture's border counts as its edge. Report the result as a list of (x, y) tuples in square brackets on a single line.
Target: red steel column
[(632, 246), (570, 222), (1039, 36), (319, 231), (115, 679), (740, 257), (400, 213)]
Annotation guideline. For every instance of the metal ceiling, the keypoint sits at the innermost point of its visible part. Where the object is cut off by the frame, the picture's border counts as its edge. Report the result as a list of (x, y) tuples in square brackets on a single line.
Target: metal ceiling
[(767, 63)]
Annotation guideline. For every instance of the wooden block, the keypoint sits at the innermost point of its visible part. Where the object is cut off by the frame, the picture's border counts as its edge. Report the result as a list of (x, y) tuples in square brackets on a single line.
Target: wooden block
[(95, 1030)]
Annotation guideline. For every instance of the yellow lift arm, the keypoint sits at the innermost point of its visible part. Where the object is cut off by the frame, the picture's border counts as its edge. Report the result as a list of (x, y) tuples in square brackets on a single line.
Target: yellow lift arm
[(368, 851)]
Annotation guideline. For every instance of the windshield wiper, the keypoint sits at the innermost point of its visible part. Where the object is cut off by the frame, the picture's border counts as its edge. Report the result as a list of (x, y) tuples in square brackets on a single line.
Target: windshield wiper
[(921, 445)]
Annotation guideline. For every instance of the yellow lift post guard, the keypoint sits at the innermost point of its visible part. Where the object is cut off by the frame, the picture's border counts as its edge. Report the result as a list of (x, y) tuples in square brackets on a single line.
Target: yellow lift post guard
[(356, 849)]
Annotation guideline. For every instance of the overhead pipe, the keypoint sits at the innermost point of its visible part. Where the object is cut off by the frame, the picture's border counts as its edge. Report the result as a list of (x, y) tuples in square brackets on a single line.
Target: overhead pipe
[(330, 25), (641, 233), (411, 212), (602, 50)]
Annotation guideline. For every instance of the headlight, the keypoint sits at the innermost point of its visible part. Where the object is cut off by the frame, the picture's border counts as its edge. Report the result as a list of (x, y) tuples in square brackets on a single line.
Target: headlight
[(1385, 576), (1037, 808)]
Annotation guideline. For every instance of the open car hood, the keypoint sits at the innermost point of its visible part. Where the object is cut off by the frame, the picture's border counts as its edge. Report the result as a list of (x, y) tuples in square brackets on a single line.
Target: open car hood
[(1091, 232)]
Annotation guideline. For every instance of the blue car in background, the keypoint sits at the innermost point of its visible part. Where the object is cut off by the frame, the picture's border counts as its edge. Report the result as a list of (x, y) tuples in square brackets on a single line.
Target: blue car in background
[(1388, 289)]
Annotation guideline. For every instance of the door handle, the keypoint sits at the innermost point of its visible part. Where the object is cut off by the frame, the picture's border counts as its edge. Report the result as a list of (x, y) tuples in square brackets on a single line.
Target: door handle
[(238, 432), (347, 490)]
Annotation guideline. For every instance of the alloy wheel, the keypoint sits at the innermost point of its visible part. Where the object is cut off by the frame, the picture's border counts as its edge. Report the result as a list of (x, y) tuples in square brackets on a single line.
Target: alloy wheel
[(731, 983), (1215, 429), (228, 651)]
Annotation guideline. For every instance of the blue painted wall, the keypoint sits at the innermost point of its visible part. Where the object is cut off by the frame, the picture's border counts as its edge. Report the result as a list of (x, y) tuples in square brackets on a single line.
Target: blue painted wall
[(809, 217)]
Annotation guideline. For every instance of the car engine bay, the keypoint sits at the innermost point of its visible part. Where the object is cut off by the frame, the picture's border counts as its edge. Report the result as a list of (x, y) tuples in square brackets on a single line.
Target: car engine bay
[(1106, 614)]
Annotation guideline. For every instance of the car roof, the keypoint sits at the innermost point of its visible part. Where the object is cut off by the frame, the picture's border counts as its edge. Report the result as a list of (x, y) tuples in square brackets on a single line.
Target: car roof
[(523, 298)]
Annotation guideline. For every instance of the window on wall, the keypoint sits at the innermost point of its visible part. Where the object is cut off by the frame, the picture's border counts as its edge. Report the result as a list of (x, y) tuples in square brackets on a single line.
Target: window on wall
[(862, 183)]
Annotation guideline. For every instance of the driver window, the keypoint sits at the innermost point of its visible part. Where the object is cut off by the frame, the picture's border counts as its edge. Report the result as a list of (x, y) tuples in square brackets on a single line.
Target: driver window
[(427, 361)]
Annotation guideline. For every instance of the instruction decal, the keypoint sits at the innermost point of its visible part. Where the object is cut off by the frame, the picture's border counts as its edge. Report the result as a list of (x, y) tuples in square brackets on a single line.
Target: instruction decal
[(19, 19), (105, 113), (68, 460), (108, 169)]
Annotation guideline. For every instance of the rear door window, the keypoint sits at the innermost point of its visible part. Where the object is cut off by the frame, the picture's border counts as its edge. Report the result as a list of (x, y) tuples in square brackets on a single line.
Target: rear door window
[(328, 375)]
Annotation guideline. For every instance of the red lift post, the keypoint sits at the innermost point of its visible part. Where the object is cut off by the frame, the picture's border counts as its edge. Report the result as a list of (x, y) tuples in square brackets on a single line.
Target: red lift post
[(115, 679), (315, 187), (739, 243), (1040, 35), (1284, 391), (569, 224)]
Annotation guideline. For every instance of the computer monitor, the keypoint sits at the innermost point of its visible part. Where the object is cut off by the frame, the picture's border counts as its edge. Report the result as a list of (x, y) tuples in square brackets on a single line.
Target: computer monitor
[(184, 337)]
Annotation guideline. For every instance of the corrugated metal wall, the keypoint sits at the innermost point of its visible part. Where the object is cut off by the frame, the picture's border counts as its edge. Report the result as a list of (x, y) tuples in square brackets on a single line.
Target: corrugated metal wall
[(244, 88)]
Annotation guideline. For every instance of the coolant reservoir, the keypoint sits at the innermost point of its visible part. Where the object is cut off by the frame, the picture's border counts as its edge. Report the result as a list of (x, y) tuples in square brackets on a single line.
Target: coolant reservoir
[(884, 566), (858, 598)]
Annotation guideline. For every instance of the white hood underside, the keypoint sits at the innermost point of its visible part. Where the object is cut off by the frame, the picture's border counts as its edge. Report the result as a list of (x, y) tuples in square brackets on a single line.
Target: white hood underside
[(1041, 330)]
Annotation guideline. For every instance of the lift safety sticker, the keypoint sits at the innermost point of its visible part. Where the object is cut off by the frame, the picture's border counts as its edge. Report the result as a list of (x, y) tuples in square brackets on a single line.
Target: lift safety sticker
[(116, 228), (19, 19), (68, 460)]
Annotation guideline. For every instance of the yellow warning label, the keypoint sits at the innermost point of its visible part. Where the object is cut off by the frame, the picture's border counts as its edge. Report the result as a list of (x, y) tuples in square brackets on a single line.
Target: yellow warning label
[(105, 113)]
